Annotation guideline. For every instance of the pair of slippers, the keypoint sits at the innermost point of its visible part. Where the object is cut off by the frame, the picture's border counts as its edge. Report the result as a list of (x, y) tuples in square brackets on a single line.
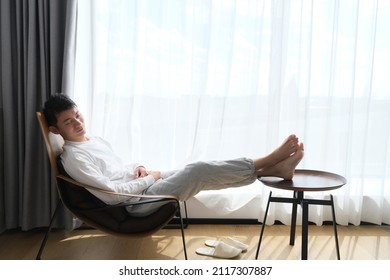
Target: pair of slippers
[(227, 248)]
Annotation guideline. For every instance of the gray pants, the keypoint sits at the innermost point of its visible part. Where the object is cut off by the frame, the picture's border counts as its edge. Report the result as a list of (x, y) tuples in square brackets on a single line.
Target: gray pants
[(195, 177)]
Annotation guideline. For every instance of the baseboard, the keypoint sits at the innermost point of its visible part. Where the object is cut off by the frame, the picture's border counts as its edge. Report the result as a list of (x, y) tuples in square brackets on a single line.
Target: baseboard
[(208, 221), (175, 223), (218, 221)]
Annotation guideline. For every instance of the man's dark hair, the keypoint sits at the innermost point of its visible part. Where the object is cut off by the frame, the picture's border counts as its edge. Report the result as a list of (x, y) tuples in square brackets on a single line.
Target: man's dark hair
[(56, 104)]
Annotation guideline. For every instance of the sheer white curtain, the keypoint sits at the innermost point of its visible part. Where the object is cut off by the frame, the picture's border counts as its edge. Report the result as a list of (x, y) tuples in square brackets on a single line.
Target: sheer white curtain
[(171, 82)]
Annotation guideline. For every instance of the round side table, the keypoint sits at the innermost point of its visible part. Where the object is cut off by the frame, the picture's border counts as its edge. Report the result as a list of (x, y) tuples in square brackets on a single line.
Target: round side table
[(303, 181)]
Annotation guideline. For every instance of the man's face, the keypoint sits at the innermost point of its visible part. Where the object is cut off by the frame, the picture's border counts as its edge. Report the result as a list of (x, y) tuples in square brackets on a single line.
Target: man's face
[(70, 125)]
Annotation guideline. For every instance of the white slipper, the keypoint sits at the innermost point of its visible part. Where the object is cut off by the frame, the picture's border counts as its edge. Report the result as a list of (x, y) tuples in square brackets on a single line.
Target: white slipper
[(221, 250), (229, 241)]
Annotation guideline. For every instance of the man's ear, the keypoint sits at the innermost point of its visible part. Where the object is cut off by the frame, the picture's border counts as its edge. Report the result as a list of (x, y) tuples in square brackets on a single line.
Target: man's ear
[(54, 130)]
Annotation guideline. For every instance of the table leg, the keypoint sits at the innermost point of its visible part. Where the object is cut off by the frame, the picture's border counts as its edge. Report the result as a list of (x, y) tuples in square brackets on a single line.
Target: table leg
[(335, 228), (305, 229), (263, 225), (293, 219)]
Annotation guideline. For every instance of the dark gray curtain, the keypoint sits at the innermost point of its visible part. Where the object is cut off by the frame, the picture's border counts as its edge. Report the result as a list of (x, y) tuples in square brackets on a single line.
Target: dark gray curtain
[(31, 61)]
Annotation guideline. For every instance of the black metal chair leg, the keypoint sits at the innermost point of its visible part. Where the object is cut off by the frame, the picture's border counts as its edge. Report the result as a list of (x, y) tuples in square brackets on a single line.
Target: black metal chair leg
[(263, 225), (186, 213), (174, 224), (182, 234), (43, 244), (335, 228)]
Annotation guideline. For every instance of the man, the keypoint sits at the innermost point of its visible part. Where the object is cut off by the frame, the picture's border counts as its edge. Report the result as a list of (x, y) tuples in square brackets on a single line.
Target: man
[(91, 161)]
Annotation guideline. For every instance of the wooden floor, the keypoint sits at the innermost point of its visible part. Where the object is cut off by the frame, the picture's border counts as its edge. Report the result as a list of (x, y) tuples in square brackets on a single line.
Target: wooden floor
[(356, 243)]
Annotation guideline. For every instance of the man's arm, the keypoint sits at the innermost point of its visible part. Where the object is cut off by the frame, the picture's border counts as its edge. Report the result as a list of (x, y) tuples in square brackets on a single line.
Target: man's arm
[(87, 173)]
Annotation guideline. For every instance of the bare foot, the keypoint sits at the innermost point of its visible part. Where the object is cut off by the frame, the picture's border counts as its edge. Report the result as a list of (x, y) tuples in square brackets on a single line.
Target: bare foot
[(285, 150), (284, 169)]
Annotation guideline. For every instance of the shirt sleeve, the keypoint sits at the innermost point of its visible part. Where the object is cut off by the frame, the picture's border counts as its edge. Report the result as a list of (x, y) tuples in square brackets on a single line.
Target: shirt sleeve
[(81, 169)]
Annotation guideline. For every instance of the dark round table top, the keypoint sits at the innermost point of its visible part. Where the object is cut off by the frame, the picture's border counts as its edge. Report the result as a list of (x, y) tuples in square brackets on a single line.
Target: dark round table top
[(307, 180)]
